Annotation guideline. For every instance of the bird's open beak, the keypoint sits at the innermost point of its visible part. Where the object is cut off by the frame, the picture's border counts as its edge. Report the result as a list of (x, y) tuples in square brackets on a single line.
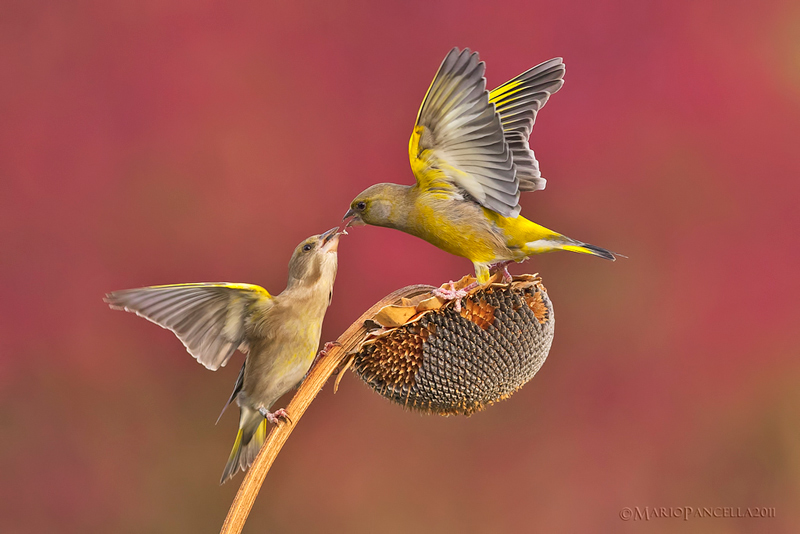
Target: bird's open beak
[(330, 240), (352, 218)]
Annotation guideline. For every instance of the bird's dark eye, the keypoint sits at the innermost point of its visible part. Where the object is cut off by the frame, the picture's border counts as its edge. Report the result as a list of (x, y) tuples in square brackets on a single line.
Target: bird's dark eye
[(306, 248), (361, 206)]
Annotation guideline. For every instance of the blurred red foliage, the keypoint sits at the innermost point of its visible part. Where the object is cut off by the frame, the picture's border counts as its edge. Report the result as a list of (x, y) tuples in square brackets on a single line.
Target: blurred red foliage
[(161, 142)]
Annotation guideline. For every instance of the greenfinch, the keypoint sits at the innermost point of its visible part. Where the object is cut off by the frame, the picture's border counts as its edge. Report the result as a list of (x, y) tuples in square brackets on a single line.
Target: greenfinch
[(279, 334), (469, 153)]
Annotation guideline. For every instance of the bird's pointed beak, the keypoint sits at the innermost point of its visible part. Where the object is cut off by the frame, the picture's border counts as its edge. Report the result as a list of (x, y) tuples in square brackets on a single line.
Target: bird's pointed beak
[(352, 218), (330, 239)]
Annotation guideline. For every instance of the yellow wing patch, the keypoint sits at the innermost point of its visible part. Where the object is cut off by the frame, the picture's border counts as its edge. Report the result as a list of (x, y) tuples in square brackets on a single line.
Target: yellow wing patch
[(505, 90), (413, 144), (428, 176), (244, 287), (417, 166)]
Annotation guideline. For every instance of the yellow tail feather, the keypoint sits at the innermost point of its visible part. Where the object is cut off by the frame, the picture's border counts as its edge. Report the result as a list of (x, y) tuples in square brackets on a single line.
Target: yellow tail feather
[(585, 248), (237, 444), (244, 450)]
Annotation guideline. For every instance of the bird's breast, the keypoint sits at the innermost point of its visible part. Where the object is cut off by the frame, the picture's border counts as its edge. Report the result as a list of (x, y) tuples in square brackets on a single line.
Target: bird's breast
[(280, 358), (457, 226), (277, 364)]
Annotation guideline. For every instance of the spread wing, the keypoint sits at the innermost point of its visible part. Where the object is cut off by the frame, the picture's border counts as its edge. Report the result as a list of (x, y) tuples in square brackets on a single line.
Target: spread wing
[(458, 140), (209, 318), (517, 102)]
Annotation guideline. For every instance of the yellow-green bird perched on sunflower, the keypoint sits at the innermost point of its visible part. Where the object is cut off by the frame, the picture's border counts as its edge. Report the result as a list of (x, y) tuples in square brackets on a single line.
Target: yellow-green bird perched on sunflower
[(280, 334), (469, 153)]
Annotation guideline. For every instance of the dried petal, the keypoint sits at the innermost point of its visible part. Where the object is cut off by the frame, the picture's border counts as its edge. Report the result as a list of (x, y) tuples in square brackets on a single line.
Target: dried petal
[(390, 316)]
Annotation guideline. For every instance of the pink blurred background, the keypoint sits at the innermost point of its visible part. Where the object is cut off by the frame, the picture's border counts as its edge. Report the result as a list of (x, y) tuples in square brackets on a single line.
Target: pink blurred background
[(160, 142)]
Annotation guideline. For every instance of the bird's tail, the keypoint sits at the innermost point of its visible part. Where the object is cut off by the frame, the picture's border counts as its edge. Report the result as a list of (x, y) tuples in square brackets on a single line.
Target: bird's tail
[(251, 436), (586, 248), (539, 239)]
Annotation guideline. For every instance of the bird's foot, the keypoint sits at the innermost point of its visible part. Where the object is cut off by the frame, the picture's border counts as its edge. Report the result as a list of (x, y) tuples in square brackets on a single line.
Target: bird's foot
[(328, 346), (323, 352), (276, 416), (502, 265), (452, 294)]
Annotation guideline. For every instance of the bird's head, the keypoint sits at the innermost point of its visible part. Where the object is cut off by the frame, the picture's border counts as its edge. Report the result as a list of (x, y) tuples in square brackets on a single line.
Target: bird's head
[(315, 258), (379, 205)]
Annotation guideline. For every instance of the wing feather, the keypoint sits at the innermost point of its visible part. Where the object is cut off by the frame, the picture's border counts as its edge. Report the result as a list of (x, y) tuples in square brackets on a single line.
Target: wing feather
[(208, 318), (458, 140), (466, 138), (517, 102)]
